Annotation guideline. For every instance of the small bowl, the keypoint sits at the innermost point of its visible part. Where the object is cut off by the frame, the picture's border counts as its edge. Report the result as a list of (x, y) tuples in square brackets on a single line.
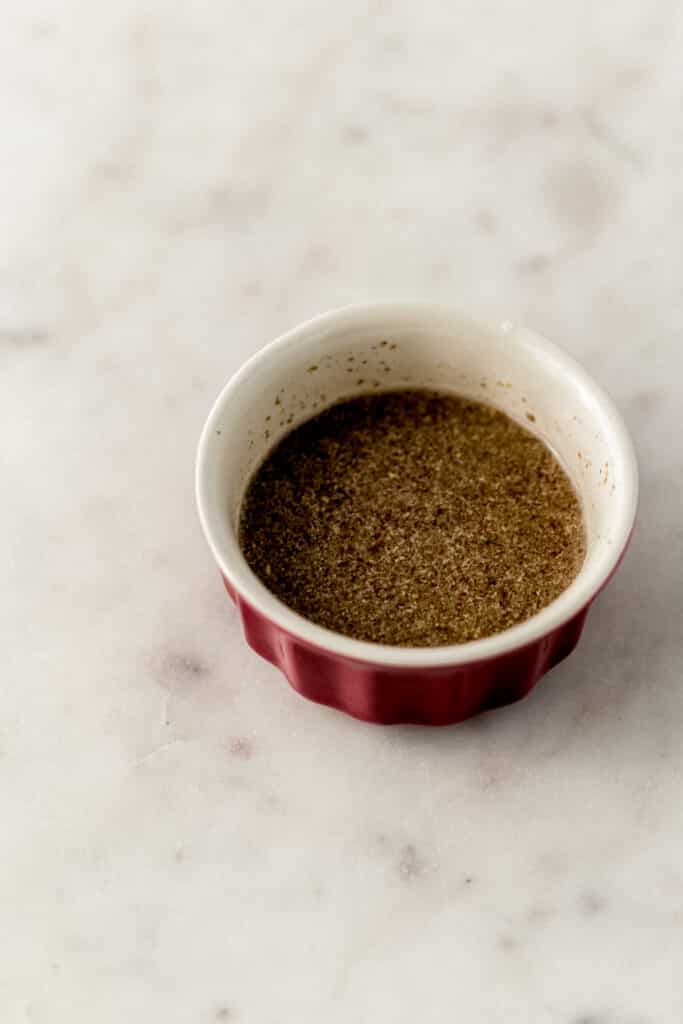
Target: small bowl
[(394, 345)]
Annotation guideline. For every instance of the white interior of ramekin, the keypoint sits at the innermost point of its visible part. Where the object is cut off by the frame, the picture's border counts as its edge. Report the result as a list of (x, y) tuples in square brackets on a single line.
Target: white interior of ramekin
[(396, 345)]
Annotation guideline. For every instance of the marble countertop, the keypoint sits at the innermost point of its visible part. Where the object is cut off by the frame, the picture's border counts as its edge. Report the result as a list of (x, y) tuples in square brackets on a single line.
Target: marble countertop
[(183, 838)]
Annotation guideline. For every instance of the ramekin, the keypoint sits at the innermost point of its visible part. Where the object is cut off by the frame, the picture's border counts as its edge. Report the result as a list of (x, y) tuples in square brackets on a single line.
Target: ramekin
[(385, 346)]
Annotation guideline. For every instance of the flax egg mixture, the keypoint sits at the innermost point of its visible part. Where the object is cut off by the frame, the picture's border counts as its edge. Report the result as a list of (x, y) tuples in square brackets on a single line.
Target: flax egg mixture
[(413, 518)]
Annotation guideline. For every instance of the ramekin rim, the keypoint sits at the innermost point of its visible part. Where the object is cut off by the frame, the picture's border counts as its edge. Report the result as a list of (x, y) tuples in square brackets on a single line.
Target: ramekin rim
[(577, 596)]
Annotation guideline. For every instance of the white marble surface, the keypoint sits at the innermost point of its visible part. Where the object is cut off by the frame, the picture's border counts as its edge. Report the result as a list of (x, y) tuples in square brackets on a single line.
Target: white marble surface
[(183, 838)]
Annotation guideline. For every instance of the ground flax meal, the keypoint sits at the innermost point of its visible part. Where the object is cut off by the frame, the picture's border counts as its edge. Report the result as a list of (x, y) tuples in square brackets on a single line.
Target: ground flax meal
[(412, 518)]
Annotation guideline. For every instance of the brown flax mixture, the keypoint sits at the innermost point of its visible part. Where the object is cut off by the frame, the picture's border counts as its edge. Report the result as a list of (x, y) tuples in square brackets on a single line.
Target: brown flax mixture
[(413, 518)]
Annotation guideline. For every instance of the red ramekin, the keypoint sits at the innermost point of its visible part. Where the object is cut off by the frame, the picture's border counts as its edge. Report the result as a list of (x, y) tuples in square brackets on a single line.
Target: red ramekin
[(396, 345)]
